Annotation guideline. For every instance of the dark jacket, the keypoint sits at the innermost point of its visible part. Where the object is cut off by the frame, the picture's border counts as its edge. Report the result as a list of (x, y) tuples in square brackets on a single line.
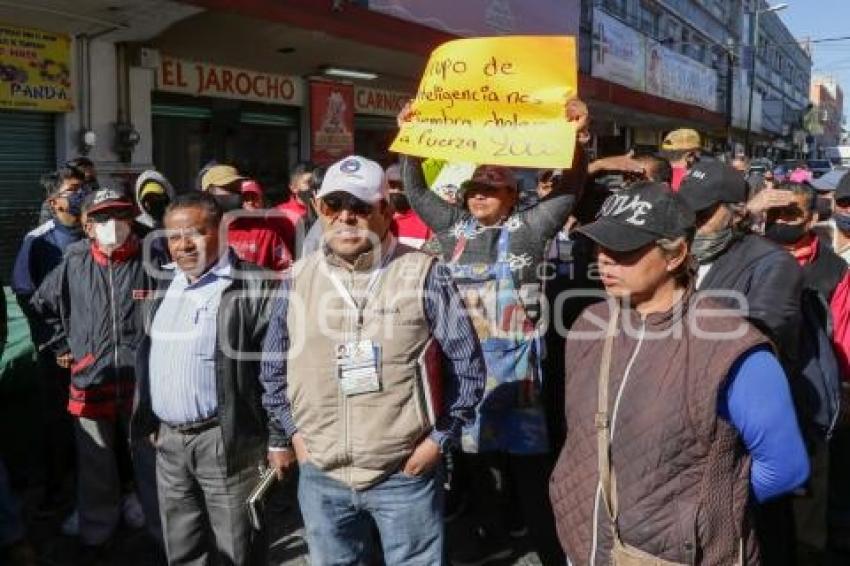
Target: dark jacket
[(825, 272), (91, 304), (770, 279), (244, 316), (818, 392)]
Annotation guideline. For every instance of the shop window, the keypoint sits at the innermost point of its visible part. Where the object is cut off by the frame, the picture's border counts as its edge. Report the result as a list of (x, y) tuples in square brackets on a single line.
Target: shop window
[(261, 140), (672, 30)]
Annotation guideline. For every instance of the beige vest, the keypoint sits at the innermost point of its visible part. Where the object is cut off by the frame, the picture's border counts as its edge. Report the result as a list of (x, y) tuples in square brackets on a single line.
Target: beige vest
[(361, 439)]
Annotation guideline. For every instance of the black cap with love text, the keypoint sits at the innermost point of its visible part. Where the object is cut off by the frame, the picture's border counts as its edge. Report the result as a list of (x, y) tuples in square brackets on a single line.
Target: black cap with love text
[(640, 215)]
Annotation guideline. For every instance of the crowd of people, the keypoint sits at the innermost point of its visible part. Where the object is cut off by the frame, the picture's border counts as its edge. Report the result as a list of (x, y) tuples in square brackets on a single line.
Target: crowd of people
[(640, 361)]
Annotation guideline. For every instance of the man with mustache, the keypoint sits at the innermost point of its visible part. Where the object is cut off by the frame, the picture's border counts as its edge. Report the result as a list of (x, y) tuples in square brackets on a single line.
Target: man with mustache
[(346, 356)]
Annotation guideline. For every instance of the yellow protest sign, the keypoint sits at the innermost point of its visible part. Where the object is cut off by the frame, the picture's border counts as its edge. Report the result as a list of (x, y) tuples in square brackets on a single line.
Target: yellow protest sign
[(35, 72), (496, 100)]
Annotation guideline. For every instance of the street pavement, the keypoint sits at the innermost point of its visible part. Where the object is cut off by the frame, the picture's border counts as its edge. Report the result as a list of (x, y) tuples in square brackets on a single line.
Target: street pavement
[(135, 548)]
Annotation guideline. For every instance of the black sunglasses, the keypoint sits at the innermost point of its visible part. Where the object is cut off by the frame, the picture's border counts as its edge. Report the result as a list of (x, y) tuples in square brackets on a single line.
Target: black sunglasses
[(334, 204)]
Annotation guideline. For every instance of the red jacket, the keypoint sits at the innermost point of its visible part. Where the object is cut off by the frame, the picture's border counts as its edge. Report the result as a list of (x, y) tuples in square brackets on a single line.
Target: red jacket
[(678, 175), (410, 229), (258, 241), (286, 218)]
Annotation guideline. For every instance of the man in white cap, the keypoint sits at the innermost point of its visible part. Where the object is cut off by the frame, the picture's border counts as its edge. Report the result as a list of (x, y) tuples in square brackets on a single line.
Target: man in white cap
[(343, 374)]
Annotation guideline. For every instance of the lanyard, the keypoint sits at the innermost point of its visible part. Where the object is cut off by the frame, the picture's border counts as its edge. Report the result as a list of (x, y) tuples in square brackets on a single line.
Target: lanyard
[(348, 297)]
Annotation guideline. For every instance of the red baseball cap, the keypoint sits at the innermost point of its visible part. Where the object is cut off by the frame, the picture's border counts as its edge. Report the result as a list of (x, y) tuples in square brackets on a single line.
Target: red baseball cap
[(250, 186)]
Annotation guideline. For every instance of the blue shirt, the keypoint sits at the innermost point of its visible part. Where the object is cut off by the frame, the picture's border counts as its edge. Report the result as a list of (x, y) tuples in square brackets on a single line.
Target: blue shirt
[(183, 346), (757, 401), (464, 361)]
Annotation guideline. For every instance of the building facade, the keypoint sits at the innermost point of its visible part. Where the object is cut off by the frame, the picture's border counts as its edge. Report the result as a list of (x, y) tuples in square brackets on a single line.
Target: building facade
[(782, 78), (173, 84), (703, 49), (827, 99)]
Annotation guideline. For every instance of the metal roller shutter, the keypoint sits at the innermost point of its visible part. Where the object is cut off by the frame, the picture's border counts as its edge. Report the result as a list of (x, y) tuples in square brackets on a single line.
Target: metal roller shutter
[(26, 152)]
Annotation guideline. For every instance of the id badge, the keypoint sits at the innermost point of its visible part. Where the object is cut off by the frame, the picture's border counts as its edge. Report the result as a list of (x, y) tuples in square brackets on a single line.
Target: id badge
[(357, 367)]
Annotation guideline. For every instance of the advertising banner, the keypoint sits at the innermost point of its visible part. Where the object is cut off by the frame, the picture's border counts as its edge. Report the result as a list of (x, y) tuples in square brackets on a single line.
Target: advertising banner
[(676, 77), (471, 18), (619, 53), (35, 70), (496, 100), (331, 121), (207, 79)]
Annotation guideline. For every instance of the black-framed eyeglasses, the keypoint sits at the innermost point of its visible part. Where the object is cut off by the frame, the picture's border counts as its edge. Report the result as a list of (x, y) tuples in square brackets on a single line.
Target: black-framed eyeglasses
[(335, 203)]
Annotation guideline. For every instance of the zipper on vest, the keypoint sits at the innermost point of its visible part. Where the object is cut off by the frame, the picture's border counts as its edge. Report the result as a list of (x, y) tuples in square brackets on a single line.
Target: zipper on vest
[(622, 387)]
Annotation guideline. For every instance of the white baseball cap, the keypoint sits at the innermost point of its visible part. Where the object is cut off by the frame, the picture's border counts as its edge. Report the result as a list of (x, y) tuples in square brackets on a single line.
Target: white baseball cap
[(360, 177)]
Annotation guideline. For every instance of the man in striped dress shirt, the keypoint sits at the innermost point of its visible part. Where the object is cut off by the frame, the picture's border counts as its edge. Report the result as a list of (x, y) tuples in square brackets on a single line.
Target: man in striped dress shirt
[(199, 392)]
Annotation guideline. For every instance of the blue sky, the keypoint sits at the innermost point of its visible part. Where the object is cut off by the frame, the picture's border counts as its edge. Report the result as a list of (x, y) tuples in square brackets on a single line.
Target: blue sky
[(818, 19)]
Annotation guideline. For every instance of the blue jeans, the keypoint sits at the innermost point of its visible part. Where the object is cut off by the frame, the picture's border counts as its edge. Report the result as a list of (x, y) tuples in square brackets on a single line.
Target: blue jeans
[(408, 512)]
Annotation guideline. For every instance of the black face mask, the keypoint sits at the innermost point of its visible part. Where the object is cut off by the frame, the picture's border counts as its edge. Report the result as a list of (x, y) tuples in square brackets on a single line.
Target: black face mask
[(156, 207), (399, 202), (229, 202), (785, 234)]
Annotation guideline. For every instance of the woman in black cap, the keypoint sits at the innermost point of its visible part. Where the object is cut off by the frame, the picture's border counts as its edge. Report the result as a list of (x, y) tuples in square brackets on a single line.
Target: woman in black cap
[(678, 412)]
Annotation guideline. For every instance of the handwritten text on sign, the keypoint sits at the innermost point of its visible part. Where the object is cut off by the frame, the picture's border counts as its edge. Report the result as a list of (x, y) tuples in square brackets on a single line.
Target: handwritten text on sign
[(495, 100)]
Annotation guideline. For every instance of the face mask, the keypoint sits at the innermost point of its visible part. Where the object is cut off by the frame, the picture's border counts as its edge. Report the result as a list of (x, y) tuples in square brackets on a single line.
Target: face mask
[(785, 234), (156, 207), (399, 202), (229, 202), (75, 202), (111, 234), (842, 222), (708, 246)]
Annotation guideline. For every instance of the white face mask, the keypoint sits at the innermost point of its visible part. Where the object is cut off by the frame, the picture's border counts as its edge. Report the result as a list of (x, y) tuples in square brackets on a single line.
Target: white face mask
[(111, 234)]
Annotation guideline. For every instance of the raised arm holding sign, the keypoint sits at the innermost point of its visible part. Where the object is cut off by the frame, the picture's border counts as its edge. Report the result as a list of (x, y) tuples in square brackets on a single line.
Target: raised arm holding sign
[(496, 101)]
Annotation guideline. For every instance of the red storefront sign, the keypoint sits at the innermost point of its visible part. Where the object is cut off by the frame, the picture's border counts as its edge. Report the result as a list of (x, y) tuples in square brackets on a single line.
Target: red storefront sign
[(331, 121), (379, 102), (205, 79)]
